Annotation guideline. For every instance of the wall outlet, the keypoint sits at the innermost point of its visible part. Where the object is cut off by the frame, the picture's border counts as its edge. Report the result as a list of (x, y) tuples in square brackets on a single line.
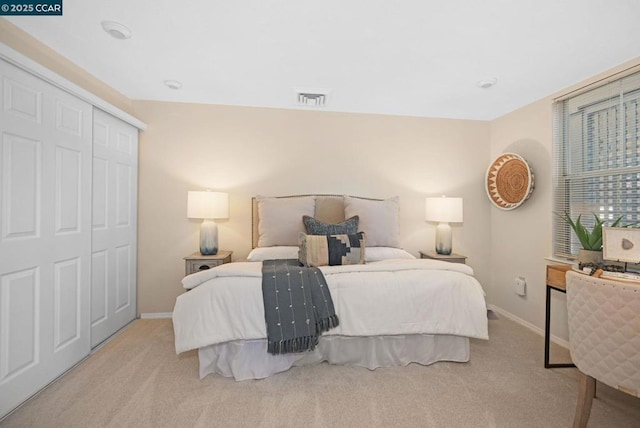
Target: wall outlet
[(520, 286)]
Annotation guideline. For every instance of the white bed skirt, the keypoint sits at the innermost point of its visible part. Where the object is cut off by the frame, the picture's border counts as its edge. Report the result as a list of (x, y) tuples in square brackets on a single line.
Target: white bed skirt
[(249, 359)]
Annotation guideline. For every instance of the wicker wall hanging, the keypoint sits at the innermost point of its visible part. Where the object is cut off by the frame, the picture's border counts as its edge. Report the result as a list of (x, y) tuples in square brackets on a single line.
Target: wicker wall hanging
[(509, 181)]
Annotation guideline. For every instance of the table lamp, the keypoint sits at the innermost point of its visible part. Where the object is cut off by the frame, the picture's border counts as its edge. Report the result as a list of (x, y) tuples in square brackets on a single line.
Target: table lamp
[(444, 211), (208, 206)]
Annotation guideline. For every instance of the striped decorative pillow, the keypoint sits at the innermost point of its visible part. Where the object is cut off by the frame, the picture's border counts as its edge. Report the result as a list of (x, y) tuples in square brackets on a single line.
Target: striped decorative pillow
[(331, 250)]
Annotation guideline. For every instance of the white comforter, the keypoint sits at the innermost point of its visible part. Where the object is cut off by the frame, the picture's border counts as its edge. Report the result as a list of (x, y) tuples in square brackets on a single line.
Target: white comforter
[(383, 298)]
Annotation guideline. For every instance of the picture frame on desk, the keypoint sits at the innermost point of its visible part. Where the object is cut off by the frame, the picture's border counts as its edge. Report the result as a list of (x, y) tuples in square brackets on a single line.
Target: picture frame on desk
[(621, 244)]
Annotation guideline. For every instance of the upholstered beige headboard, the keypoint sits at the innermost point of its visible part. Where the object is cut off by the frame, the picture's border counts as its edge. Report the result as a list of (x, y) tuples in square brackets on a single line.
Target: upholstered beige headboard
[(329, 209)]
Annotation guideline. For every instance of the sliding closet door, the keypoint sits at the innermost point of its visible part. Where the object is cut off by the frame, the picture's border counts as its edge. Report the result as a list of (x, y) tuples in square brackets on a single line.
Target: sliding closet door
[(113, 253), (45, 233)]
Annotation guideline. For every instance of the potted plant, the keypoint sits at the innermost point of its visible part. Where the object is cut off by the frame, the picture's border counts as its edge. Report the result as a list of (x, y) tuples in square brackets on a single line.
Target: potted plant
[(591, 241)]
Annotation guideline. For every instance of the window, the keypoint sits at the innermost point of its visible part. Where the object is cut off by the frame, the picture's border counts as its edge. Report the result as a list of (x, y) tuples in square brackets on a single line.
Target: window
[(596, 158)]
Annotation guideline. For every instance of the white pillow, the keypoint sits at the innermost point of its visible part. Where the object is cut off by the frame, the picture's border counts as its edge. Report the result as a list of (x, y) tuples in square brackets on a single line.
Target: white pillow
[(379, 220), (281, 219), (375, 254), (272, 253)]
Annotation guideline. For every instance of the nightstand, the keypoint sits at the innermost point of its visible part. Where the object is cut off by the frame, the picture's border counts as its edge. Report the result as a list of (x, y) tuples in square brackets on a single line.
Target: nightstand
[(452, 258), (197, 262)]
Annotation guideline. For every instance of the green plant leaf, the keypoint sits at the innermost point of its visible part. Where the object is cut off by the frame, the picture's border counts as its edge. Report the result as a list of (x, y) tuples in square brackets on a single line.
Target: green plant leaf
[(590, 240), (617, 222), (595, 238), (582, 233)]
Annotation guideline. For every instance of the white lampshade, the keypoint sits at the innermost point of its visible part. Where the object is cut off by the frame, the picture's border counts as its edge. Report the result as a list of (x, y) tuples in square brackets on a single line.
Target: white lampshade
[(207, 204), (443, 210)]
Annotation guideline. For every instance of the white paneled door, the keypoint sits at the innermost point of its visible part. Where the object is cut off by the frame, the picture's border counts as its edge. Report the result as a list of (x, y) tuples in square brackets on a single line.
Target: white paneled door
[(45, 233), (114, 222)]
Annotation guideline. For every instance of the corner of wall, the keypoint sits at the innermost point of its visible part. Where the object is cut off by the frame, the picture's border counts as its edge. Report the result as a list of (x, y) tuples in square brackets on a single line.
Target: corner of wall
[(29, 46)]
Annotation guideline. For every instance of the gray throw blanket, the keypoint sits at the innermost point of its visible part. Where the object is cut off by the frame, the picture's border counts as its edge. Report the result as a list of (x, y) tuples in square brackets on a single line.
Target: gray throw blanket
[(297, 306)]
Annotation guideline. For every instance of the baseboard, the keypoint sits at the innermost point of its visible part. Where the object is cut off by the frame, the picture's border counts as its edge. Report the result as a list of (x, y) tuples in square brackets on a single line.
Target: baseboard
[(156, 315), (555, 339)]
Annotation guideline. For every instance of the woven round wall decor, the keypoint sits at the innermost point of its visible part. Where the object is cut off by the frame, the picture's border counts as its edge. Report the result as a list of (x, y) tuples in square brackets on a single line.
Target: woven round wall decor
[(509, 181)]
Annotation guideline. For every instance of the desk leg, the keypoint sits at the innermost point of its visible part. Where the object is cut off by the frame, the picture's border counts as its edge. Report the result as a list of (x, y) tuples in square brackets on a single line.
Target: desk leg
[(547, 328), (547, 336)]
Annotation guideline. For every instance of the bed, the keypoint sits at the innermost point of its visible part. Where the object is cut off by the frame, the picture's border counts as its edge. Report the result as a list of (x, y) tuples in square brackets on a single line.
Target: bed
[(394, 309)]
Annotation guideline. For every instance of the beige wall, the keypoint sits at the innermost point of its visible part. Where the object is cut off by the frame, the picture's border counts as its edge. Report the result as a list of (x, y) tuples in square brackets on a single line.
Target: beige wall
[(249, 151), (252, 151), (521, 239)]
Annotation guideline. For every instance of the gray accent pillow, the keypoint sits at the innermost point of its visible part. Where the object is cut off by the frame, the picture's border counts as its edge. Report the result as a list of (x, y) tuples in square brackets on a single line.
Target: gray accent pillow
[(317, 227)]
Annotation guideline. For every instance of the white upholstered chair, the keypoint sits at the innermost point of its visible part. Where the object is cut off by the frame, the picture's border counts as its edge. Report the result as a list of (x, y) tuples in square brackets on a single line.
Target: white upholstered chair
[(604, 336)]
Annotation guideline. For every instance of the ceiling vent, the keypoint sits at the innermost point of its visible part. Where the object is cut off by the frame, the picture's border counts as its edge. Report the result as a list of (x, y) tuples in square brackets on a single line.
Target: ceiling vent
[(313, 98)]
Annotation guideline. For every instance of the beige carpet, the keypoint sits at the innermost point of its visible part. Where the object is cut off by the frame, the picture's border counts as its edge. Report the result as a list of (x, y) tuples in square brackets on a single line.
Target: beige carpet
[(137, 380)]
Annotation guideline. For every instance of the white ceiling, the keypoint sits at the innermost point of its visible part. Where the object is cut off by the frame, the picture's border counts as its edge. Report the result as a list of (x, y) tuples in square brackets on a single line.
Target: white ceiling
[(411, 57)]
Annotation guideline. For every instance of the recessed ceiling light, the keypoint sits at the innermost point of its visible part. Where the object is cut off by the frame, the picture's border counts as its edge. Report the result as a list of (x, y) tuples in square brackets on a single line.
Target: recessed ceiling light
[(116, 30), (173, 84), (486, 83)]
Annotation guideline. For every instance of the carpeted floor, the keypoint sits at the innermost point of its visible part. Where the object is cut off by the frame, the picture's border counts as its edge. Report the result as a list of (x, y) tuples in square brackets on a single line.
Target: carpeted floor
[(137, 380)]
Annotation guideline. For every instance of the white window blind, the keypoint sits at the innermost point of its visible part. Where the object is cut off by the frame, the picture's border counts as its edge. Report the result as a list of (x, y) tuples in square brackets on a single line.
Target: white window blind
[(596, 159)]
